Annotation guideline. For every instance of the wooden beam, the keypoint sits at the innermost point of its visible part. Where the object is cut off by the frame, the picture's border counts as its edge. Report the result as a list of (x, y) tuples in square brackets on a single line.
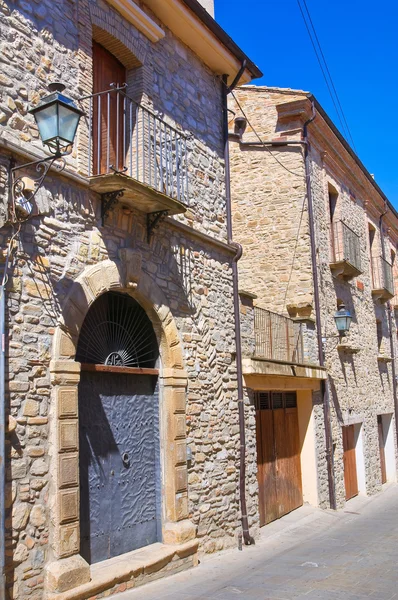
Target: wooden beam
[(116, 369)]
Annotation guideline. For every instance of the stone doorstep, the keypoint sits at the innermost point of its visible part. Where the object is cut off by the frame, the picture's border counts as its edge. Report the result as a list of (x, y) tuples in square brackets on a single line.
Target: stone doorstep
[(127, 567)]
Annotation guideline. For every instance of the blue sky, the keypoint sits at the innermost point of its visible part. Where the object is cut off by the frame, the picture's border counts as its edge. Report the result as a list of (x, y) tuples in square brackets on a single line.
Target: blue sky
[(360, 43)]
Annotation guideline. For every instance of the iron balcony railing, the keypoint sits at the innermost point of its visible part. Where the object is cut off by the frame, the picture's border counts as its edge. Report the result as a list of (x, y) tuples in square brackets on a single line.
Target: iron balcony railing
[(346, 245), (277, 337), (125, 136), (382, 273)]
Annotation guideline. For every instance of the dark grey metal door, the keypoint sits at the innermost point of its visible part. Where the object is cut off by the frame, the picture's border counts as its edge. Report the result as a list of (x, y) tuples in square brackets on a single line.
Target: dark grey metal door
[(119, 463)]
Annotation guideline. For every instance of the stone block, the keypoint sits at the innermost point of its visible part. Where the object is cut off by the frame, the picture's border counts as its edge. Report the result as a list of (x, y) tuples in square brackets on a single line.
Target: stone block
[(68, 435), (67, 402), (179, 429), (31, 408), (178, 533), (68, 505), (180, 453), (69, 539), (68, 470), (39, 467), (181, 506), (20, 516), (181, 478), (67, 345), (38, 516), (67, 573)]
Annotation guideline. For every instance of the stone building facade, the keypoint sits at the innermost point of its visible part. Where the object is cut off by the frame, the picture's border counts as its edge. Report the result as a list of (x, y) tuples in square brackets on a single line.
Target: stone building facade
[(355, 232), (77, 248)]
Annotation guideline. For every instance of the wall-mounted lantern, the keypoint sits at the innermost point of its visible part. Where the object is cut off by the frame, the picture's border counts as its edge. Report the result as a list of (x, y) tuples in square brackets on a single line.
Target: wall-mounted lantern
[(343, 320), (57, 118)]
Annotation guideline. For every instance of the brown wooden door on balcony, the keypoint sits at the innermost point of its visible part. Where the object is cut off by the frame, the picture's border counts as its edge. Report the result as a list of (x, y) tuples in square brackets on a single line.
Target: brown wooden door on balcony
[(278, 456), (382, 451), (107, 124), (350, 463)]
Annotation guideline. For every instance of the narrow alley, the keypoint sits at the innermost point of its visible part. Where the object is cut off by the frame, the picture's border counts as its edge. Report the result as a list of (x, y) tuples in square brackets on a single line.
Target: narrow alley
[(309, 554)]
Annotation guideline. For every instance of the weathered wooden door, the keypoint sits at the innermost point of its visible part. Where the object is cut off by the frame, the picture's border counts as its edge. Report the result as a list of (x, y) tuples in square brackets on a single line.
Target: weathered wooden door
[(119, 464), (107, 125), (382, 451), (350, 463), (278, 455)]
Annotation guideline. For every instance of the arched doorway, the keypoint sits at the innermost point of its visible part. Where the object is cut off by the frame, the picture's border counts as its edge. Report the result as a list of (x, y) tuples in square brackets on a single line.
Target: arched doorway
[(118, 429)]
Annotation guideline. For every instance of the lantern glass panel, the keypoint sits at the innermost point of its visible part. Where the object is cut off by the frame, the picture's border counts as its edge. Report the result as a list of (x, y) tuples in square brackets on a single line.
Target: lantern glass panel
[(47, 122), (68, 122)]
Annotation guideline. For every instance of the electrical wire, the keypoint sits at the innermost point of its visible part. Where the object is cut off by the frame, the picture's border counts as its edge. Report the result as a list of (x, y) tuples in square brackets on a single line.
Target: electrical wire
[(262, 141), (326, 72)]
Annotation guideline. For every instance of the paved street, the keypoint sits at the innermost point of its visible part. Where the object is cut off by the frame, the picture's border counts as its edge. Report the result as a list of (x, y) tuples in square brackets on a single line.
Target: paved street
[(309, 554)]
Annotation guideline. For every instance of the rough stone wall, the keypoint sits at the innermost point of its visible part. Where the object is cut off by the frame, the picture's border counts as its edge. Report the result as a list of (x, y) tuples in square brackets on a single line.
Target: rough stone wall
[(197, 280), (42, 42), (267, 203), (270, 208), (360, 384)]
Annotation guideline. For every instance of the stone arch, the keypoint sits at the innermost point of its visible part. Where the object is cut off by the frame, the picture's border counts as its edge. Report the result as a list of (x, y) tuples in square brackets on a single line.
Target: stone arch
[(109, 275), (69, 568)]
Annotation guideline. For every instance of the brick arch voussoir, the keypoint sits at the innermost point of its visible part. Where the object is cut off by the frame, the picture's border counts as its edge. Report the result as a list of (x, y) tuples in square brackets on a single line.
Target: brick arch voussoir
[(129, 49)]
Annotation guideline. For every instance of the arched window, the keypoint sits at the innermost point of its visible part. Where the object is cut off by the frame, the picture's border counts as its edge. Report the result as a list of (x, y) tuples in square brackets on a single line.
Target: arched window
[(117, 332)]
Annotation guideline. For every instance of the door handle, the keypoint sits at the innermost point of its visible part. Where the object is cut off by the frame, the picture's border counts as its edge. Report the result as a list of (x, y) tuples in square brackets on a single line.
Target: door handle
[(125, 459)]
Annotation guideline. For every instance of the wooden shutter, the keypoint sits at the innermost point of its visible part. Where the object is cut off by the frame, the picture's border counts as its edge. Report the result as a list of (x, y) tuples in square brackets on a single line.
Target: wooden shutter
[(107, 123)]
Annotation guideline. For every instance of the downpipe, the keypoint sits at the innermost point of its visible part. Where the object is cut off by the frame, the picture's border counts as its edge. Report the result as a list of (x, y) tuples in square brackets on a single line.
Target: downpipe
[(2, 443), (247, 538), (324, 386)]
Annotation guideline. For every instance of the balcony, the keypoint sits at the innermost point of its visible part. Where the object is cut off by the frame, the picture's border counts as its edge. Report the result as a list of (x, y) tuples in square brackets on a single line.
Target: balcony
[(382, 278), (135, 157), (277, 337), (346, 252)]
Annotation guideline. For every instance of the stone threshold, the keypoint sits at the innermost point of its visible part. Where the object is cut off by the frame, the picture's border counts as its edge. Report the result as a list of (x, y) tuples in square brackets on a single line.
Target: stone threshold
[(133, 569)]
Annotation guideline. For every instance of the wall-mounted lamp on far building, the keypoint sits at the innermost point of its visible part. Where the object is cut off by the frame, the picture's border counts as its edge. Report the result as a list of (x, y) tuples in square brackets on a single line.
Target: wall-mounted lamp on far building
[(342, 318), (57, 119), (240, 124)]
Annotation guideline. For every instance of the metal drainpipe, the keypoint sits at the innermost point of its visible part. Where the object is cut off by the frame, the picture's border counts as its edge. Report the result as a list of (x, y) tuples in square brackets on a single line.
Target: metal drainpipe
[(2, 444), (392, 349), (324, 387), (247, 538)]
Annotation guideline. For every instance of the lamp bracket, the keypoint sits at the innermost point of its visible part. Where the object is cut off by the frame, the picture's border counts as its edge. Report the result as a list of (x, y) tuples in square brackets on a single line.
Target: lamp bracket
[(153, 221), (108, 200), (43, 165)]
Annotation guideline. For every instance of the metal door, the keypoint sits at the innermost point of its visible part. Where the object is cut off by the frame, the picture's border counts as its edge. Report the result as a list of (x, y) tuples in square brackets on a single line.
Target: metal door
[(119, 464)]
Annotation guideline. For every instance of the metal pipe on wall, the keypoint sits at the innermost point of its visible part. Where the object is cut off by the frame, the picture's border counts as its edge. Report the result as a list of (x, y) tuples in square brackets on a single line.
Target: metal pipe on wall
[(324, 386), (247, 538), (2, 444)]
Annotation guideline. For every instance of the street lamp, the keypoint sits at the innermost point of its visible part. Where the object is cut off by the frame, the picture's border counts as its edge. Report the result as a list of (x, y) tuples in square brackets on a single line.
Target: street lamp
[(343, 320), (57, 118)]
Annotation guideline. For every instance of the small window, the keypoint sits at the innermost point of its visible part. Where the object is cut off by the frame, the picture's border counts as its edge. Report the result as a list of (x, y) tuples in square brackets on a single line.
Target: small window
[(333, 196), (379, 326)]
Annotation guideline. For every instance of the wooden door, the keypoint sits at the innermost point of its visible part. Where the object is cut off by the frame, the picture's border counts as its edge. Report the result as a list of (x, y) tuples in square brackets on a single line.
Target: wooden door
[(278, 455), (266, 467), (107, 125), (350, 463), (119, 464), (382, 451)]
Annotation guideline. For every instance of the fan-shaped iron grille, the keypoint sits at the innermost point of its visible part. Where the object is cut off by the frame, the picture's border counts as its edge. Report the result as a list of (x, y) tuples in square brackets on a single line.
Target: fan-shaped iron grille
[(118, 332)]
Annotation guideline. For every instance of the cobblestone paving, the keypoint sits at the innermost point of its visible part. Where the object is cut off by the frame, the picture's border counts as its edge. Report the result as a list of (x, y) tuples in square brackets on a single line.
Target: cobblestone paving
[(307, 555)]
